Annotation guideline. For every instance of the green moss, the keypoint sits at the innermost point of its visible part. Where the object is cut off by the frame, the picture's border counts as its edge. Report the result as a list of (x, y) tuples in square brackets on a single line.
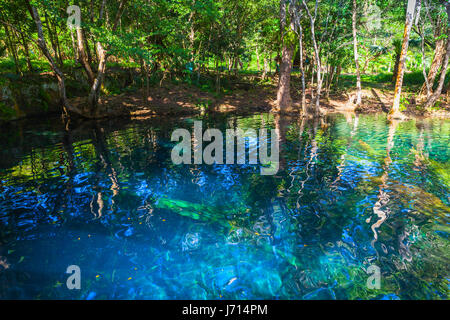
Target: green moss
[(6, 113), (45, 97)]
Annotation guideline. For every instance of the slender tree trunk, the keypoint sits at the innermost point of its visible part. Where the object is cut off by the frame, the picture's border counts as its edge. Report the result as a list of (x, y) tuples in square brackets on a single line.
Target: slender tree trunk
[(330, 79), (302, 69), (52, 40), (395, 111), (284, 100), (433, 98), (265, 68), (74, 46), (396, 64), (58, 47), (338, 74), (192, 31), (257, 58), (439, 53), (12, 49), (59, 75), (27, 52), (297, 16), (355, 53), (94, 94), (102, 54), (82, 55), (426, 84), (317, 57), (86, 46), (235, 65), (217, 78), (147, 83)]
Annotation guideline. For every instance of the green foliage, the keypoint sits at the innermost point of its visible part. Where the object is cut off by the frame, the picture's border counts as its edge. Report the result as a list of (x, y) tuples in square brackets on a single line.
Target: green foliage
[(6, 112), (163, 37), (403, 103)]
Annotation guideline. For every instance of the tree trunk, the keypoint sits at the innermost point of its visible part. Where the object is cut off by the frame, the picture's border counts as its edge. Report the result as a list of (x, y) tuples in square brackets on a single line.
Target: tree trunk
[(355, 53), (338, 74), (192, 32), (439, 54), (424, 72), (397, 63), (284, 100), (82, 55), (86, 46), (433, 98), (52, 41), (102, 54), (12, 50), (395, 111), (332, 73), (27, 52), (59, 75), (58, 47), (265, 68), (257, 58), (217, 77), (97, 83), (302, 69), (297, 16), (316, 56)]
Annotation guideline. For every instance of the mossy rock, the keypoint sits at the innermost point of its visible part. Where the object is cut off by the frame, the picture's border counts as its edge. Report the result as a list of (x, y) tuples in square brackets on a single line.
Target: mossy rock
[(22, 99), (7, 113)]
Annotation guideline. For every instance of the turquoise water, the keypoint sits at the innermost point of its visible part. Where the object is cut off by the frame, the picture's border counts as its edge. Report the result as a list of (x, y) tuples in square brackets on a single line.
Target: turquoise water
[(351, 192)]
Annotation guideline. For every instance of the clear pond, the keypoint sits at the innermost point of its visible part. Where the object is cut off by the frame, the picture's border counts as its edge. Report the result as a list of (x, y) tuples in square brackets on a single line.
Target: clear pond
[(351, 192)]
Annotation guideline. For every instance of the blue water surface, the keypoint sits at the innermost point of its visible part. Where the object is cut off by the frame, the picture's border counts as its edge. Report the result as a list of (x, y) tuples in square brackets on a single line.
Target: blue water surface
[(351, 192)]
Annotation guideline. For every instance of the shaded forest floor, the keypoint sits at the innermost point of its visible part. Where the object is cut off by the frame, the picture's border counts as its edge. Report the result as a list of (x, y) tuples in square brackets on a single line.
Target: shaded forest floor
[(248, 93)]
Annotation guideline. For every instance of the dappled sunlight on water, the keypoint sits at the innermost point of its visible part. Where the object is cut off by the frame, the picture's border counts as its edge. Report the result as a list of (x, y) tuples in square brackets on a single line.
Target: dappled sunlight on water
[(351, 192)]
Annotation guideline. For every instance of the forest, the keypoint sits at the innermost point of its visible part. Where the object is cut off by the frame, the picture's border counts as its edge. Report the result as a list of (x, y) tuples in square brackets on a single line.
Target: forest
[(112, 58)]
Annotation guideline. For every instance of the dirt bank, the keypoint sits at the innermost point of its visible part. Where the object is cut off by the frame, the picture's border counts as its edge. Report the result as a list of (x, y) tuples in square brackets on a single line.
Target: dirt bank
[(244, 94), (188, 99)]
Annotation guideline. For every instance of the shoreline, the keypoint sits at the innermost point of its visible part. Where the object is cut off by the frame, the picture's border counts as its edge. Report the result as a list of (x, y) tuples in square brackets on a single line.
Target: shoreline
[(189, 100)]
